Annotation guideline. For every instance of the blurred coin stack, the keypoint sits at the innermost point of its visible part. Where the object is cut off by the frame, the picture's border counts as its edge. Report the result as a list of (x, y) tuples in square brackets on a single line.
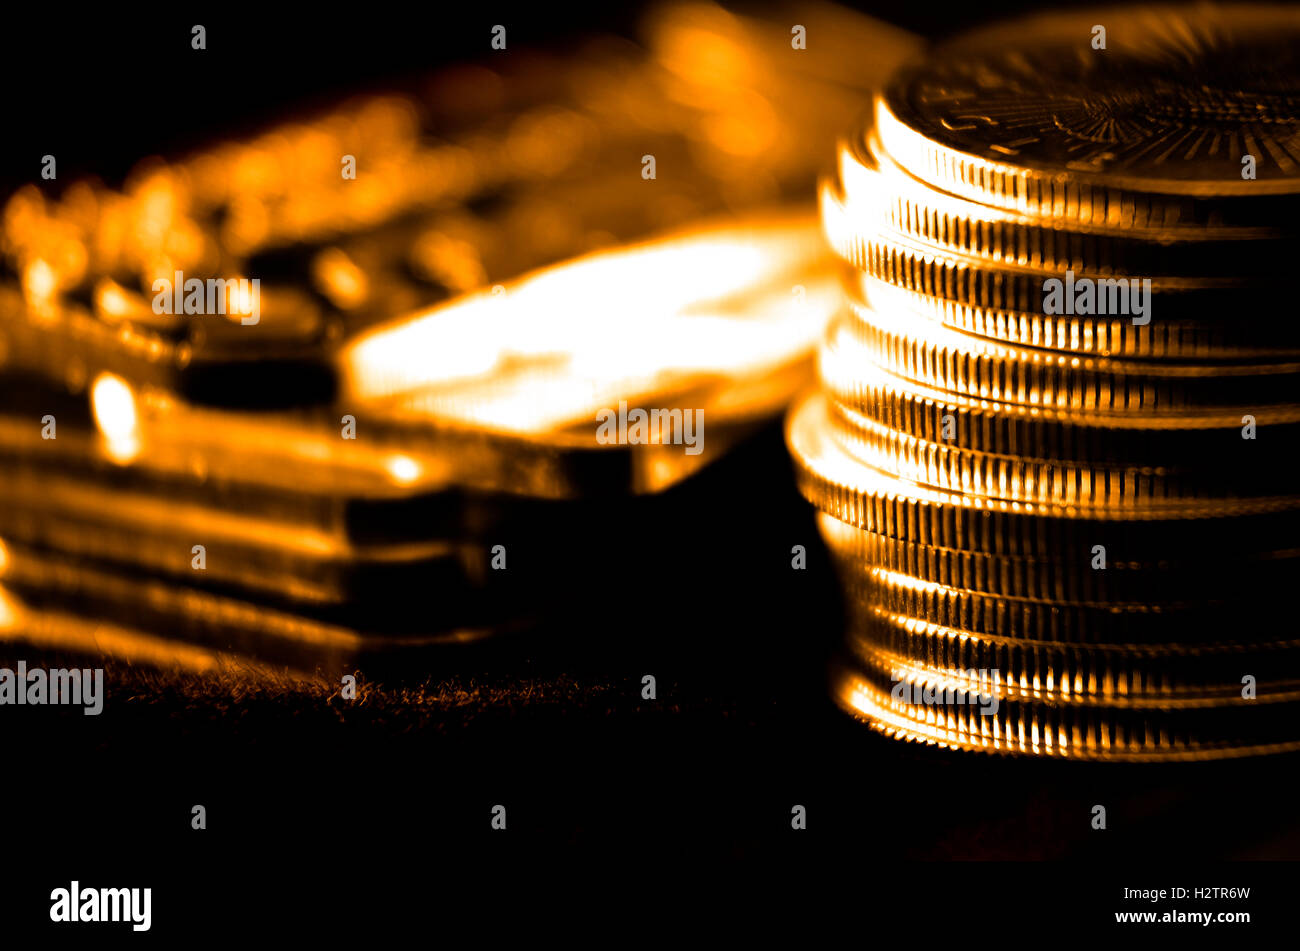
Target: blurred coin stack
[(1053, 447), (316, 396)]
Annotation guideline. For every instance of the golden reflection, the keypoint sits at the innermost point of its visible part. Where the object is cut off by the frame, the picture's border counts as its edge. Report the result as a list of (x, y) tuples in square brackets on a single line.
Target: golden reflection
[(403, 469), (608, 324), (11, 613), (114, 407)]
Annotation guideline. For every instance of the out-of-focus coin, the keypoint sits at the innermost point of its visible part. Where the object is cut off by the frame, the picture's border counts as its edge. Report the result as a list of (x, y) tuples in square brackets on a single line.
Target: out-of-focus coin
[(56, 602), (278, 560), (710, 302)]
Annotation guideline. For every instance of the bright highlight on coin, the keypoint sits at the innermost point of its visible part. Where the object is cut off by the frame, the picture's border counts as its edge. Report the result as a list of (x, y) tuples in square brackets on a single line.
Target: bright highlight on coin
[(114, 406), (673, 313)]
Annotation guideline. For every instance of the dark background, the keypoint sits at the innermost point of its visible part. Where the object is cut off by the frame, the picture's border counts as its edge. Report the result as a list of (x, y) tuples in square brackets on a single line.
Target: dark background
[(321, 815), (110, 85)]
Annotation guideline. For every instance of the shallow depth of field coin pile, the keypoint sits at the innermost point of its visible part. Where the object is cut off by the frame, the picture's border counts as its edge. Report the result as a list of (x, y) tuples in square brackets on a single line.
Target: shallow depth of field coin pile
[(1053, 443)]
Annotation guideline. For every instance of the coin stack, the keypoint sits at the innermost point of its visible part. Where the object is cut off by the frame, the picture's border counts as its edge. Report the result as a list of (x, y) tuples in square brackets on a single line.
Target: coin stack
[(1052, 446), (256, 405)]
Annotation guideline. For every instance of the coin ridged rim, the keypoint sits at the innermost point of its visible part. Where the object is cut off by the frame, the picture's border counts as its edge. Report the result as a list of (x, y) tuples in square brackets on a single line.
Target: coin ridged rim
[(1056, 195), (1051, 188), (878, 194), (955, 362), (853, 382), (1099, 335), (894, 259), (867, 150), (1028, 479), (934, 616), (1027, 730), (1015, 282), (1058, 579), (1081, 623), (867, 498), (1084, 679)]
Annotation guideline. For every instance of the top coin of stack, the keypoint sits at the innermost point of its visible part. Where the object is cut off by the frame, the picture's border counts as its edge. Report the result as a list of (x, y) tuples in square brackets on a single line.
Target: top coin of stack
[(1052, 447)]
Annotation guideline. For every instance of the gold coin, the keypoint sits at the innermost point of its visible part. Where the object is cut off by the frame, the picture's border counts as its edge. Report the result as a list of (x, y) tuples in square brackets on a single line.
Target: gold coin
[(892, 257), (1045, 480), (1193, 619), (868, 498), (1211, 338), (1147, 122), (1070, 731), (1067, 577), (1213, 442), (1052, 674), (879, 195), (975, 367)]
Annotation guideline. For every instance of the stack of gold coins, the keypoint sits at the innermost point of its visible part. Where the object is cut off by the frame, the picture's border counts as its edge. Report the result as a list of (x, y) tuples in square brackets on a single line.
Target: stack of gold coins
[(1052, 447)]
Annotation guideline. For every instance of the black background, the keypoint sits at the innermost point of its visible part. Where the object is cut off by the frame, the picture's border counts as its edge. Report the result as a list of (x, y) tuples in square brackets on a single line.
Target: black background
[(340, 819)]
